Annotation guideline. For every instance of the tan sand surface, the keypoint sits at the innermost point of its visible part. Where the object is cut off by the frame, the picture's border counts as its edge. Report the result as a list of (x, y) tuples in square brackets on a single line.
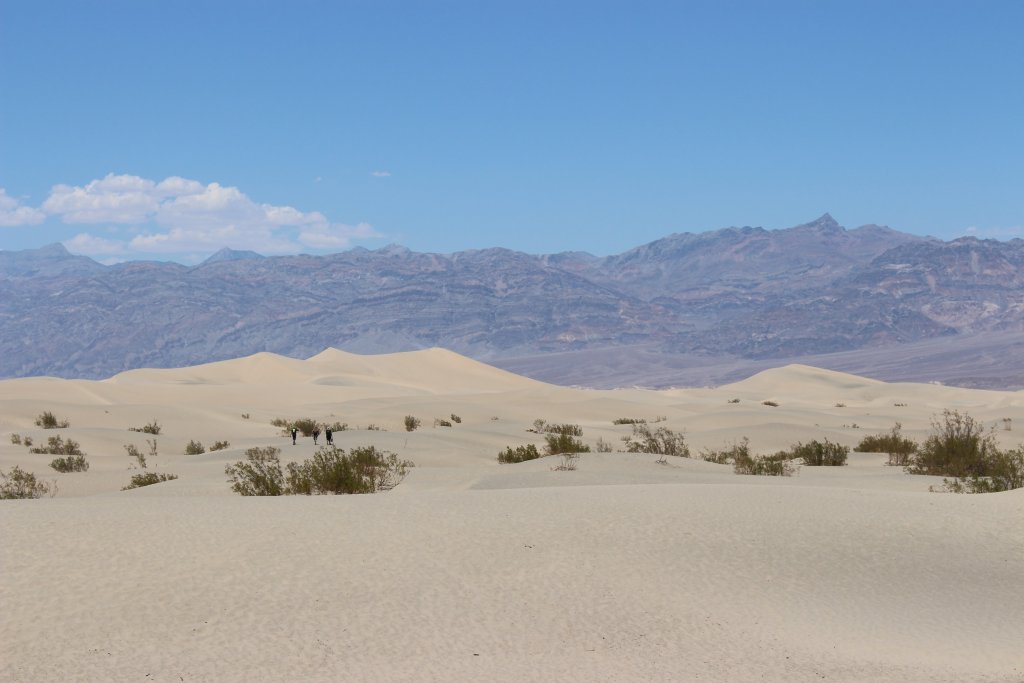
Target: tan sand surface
[(622, 570)]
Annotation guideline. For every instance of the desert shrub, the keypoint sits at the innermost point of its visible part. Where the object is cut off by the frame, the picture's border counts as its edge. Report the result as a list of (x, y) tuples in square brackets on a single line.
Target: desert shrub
[(134, 452), (662, 440), (738, 451), (772, 404), (305, 425), (538, 426), (563, 429), (733, 400), (27, 441), (518, 454), (840, 405), (148, 479), (245, 416), (1008, 424), (1005, 471), (72, 463), (279, 422), (628, 421), (374, 428), (55, 445), (567, 462), (338, 426), (456, 419), (603, 446), (820, 453), (194, 448), (18, 484), (411, 423), (151, 428), (959, 446), (48, 420), (16, 439), (259, 474), (331, 470), (777, 465), (894, 443), (564, 443), (219, 446), (438, 422)]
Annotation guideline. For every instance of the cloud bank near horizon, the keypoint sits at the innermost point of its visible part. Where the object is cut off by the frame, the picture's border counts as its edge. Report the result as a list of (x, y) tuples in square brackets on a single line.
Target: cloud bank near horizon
[(178, 216)]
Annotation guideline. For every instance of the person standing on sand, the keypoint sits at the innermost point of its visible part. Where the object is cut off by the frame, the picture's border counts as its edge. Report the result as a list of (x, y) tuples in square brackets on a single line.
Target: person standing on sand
[(316, 434), (295, 433), (328, 434)]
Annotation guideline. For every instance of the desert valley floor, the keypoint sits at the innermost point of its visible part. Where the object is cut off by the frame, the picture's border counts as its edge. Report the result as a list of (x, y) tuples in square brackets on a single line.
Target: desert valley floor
[(625, 569)]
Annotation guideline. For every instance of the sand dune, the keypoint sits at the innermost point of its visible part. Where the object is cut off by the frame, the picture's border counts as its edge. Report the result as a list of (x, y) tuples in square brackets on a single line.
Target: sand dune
[(623, 570)]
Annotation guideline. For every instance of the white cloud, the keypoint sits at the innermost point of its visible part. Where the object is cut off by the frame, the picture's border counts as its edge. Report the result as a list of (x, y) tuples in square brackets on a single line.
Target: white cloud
[(84, 243), (381, 174), (13, 213), (179, 215)]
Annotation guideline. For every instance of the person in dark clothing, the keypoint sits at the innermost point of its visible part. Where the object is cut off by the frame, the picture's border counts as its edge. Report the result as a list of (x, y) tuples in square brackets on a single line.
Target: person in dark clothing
[(329, 435), (316, 434), (295, 433)]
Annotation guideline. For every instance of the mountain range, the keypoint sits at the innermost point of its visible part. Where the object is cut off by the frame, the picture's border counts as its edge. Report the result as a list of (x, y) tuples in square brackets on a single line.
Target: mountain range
[(685, 309)]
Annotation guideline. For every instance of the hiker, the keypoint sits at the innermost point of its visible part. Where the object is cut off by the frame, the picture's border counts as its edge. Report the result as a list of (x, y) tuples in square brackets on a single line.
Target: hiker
[(316, 434), (295, 433), (328, 434)]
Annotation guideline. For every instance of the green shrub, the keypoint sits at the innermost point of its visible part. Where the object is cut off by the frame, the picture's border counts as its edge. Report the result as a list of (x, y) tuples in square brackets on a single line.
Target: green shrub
[(894, 443), (518, 454), (438, 422), (733, 400), (27, 441), (148, 479), (564, 443), (18, 484), (151, 428), (259, 474), (331, 470), (603, 446), (777, 465), (338, 426), (72, 463), (194, 448), (564, 429), (738, 451), (134, 452), (820, 453), (48, 420), (456, 419), (662, 440), (628, 421), (959, 446), (306, 426), (568, 462), (16, 439), (411, 423), (1004, 471), (219, 446), (55, 445), (771, 404)]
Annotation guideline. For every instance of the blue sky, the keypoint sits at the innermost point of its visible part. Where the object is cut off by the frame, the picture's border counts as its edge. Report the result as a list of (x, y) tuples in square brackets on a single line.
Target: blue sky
[(169, 129)]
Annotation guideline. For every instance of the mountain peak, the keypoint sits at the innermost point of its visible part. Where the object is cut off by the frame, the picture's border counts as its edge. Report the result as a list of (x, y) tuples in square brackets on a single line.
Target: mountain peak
[(227, 254), (825, 223)]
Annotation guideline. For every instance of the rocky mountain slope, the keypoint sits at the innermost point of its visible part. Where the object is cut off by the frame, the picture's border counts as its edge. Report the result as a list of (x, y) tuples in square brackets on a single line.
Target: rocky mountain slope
[(718, 299)]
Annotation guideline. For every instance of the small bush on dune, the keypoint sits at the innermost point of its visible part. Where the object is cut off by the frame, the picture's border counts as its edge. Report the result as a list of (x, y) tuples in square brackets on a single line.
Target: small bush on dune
[(27, 441), (564, 429), (820, 453), (411, 423), (259, 474), (603, 446), (194, 448), (1005, 471), (72, 463), (518, 454), (219, 446), (959, 446), (456, 419), (777, 465), (894, 443), (148, 479), (331, 470), (16, 439), (338, 426), (662, 440), (738, 451), (733, 400), (628, 421), (568, 462), (305, 426), (19, 484), (151, 428), (48, 420), (55, 445), (134, 452), (438, 422), (564, 443)]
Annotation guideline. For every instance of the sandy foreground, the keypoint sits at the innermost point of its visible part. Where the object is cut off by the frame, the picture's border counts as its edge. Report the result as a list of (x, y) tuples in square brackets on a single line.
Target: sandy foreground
[(623, 570)]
